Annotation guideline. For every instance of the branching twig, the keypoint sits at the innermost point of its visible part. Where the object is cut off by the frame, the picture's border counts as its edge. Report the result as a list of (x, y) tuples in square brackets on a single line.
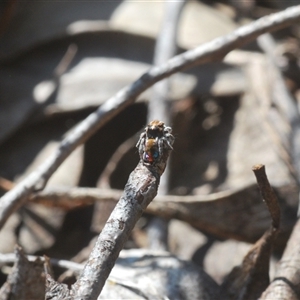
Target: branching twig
[(208, 52)]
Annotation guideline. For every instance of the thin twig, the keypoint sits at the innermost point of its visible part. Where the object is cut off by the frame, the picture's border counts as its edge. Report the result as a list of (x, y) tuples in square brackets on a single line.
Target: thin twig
[(208, 52), (70, 198), (11, 258), (58, 72), (104, 180), (65, 62), (268, 194), (77, 196)]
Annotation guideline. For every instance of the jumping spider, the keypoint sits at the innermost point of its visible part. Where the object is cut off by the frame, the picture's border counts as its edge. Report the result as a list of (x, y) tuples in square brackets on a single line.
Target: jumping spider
[(154, 140)]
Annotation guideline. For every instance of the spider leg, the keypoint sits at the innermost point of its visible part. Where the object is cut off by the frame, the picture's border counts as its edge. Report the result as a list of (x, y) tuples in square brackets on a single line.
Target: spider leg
[(141, 143), (140, 139), (160, 147), (169, 141)]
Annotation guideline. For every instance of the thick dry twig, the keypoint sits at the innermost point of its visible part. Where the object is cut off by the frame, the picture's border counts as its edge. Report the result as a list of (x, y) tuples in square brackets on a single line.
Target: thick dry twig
[(139, 191), (208, 52)]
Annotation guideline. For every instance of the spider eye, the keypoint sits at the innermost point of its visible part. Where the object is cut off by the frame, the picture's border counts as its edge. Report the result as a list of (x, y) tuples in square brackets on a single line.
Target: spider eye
[(148, 157), (155, 154)]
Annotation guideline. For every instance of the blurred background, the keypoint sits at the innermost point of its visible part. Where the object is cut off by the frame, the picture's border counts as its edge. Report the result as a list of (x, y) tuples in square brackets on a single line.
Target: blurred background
[(60, 60)]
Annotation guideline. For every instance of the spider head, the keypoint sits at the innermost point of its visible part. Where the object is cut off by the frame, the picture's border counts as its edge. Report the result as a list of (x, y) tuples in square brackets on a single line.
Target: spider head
[(155, 129)]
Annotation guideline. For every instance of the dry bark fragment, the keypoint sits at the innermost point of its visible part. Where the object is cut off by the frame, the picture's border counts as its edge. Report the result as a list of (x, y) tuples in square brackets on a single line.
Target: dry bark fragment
[(26, 281)]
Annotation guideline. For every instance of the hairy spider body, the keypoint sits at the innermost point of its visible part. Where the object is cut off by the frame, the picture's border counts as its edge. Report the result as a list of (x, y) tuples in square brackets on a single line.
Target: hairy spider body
[(154, 140), (151, 151)]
